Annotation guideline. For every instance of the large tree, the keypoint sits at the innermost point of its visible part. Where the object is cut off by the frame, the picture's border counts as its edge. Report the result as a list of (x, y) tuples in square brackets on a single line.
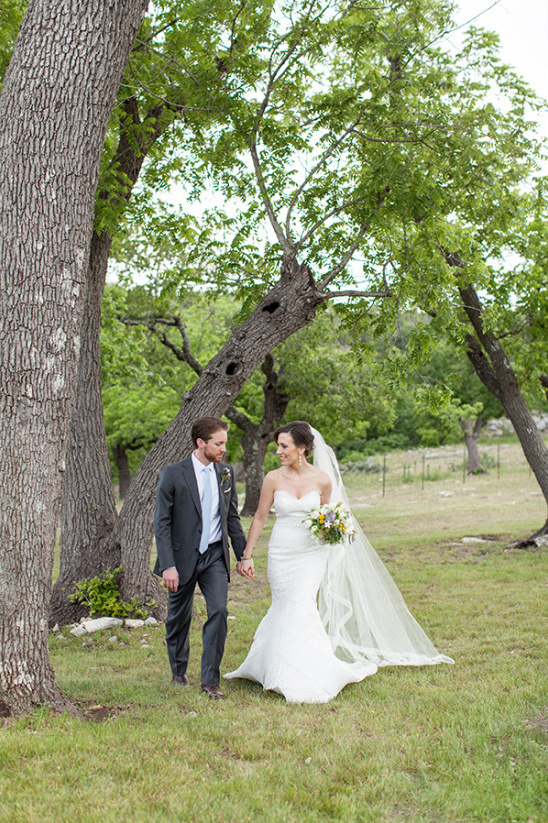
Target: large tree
[(55, 102), (329, 164)]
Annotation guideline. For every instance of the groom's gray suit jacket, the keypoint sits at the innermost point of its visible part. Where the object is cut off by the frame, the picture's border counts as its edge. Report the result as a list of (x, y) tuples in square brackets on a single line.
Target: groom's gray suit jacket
[(178, 518)]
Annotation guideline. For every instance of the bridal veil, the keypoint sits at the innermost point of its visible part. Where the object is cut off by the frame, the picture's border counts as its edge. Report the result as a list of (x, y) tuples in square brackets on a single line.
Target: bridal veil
[(361, 608)]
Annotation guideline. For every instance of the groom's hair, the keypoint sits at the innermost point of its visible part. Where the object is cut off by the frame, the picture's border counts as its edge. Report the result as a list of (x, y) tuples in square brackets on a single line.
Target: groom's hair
[(205, 427), (301, 434)]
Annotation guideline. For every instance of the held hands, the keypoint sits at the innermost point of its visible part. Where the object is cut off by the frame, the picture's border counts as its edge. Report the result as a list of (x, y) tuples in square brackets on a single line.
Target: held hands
[(245, 567), (171, 579)]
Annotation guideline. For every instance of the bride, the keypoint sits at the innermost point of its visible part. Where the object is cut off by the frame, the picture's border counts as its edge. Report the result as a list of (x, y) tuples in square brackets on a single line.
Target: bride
[(336, 613)]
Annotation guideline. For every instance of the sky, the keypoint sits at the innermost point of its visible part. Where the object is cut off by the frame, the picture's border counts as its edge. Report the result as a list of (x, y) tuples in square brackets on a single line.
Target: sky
[(523, 29), (522, 26)]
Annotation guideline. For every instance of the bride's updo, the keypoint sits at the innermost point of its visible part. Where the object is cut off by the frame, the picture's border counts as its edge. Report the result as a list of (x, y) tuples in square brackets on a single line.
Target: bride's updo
[(301, 434)]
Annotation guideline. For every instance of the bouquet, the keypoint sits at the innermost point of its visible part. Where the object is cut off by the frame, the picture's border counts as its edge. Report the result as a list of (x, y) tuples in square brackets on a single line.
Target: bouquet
[(330, 523)]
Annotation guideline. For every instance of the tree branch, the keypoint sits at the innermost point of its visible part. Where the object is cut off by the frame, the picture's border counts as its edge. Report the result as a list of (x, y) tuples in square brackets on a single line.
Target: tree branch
[(185, 354), (351, 250), (285, 244), (356, 293), (325, 156), (482, 366), (326, 217)]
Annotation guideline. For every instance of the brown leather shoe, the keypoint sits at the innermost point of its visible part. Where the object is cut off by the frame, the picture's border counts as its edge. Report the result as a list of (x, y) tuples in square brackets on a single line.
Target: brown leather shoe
[(213, 691), (180, 679)]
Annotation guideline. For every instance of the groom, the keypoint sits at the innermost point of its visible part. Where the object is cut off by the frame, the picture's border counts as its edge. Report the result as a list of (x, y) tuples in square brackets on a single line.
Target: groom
[(196, 513)]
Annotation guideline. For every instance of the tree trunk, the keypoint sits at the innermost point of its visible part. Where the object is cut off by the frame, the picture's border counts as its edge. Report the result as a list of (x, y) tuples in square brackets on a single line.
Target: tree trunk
[(124, 475), (88, 509), (494, 369), (55, 102), (289, 306), (471, 436), (254, 445), (256, 436)]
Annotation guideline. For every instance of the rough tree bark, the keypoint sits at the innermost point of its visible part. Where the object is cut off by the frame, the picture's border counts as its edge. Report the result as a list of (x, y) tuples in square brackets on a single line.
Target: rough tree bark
[(256, 436), (122, 464), (494, 369), (55, 102), (88, 511), (471, 431), (289, 306)]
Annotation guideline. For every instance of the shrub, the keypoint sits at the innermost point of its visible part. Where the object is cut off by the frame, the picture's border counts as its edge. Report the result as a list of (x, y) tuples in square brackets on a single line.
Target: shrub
[(102, 595), (430, 438), (361, 467)]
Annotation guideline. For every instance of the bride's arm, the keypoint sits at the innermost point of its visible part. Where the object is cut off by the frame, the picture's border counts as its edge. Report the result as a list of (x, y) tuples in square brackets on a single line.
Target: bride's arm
[(325, 488), (265, 504)]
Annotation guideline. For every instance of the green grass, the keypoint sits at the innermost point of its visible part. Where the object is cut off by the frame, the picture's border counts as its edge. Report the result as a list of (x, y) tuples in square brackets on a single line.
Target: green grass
[(448, 743)]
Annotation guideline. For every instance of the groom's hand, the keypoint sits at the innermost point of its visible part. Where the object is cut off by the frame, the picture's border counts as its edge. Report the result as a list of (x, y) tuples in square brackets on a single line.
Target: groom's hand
[(246, 568), (171, 579)]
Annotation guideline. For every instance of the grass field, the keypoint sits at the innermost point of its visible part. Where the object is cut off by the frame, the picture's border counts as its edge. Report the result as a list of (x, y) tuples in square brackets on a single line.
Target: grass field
[(467, 742)]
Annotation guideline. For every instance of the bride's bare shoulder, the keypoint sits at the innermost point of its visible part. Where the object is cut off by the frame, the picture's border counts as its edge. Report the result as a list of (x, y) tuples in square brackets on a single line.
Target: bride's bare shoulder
[(324, 482), (272, 478), (321, 476)]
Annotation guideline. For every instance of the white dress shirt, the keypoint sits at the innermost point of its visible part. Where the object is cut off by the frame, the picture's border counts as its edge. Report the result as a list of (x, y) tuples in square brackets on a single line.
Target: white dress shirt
[(215, 530)]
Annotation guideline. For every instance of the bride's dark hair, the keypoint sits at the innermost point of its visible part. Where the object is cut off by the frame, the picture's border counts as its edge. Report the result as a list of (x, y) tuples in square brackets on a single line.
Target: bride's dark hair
[(300, 432)]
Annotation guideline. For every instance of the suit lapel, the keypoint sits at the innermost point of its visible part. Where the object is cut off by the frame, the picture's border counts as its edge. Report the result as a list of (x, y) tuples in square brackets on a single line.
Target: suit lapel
[(187, 469), (223, 496), (217, 470)]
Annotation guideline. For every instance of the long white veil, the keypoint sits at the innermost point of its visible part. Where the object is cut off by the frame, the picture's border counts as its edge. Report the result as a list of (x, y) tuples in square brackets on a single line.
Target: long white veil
[(361, 607)]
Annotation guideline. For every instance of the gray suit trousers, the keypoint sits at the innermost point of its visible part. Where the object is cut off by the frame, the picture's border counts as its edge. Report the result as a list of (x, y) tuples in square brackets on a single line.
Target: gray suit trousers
[(212, 578)]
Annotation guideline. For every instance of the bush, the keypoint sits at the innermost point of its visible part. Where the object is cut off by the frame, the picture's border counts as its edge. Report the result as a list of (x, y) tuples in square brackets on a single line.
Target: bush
[(488, 462), (102, 595), (358, 450), (361, 467), (430, 438)]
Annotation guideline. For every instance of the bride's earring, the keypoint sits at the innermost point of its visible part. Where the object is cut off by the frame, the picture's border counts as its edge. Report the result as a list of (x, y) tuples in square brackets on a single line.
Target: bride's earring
[(300, 459)]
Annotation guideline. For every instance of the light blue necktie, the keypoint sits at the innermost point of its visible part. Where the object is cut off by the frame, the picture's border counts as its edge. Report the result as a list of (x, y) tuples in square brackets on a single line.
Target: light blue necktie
[(206, 510)]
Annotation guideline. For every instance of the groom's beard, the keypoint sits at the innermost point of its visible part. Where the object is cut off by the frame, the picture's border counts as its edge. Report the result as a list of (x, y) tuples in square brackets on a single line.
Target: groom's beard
[(213, 454)]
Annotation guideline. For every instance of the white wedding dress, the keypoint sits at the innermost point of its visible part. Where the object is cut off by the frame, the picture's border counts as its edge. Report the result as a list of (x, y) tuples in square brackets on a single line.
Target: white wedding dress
[(336, 613), (291, 653)]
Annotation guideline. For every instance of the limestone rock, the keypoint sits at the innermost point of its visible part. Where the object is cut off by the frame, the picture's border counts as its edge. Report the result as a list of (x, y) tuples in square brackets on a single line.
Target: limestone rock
[(101, 623), (132, 623)]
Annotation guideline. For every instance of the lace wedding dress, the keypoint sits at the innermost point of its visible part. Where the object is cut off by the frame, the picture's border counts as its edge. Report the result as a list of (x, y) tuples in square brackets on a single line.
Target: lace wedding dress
[(336, 613)]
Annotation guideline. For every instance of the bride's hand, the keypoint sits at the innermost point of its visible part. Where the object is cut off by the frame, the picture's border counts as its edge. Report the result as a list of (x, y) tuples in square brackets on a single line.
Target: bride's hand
[(246, 567)]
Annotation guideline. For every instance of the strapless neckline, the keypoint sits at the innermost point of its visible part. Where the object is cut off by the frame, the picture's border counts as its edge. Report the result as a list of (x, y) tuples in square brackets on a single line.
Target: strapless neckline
[(294, 496)]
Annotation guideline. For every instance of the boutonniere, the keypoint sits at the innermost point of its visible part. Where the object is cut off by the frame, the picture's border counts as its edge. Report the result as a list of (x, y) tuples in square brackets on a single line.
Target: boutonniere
[(225, 477)]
